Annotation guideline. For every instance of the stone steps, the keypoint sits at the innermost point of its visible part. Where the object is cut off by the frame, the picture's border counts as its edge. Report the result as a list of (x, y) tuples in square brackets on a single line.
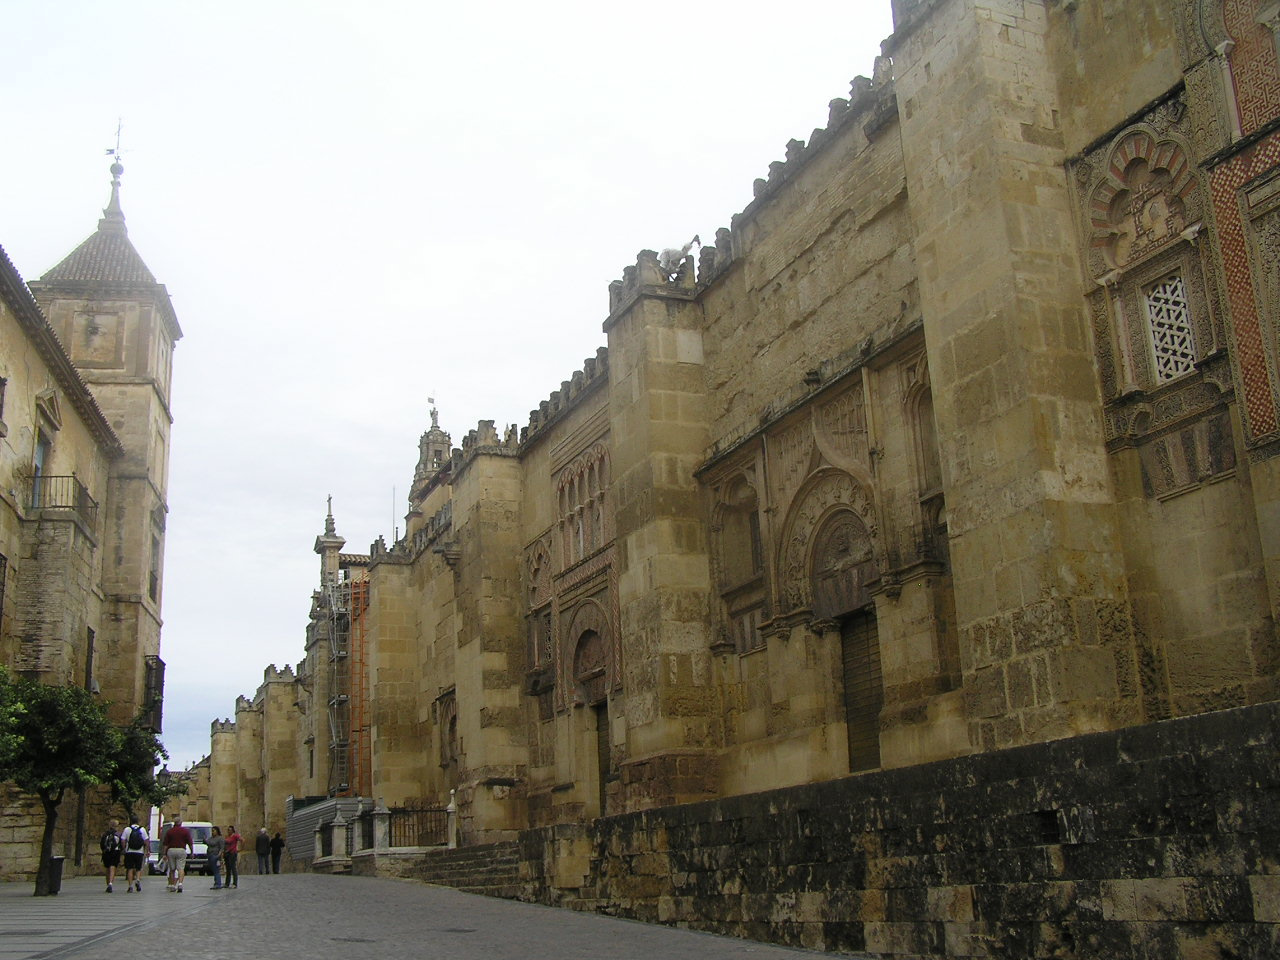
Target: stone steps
[(491, 869)]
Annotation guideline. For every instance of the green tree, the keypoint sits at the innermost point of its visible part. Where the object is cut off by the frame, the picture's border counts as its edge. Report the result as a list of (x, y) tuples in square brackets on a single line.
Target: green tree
[(133, 777), (10, 709), (63, 741)]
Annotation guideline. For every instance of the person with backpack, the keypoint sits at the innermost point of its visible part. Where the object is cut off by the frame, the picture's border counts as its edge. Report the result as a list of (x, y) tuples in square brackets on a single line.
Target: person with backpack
[(110, 846), (136, 844)]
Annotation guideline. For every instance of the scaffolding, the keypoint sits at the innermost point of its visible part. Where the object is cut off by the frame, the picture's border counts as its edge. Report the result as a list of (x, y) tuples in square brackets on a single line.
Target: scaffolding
[(347, 599)]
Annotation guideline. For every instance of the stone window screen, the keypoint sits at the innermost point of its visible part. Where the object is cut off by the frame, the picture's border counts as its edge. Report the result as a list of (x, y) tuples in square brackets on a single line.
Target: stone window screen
[(1169, 325)]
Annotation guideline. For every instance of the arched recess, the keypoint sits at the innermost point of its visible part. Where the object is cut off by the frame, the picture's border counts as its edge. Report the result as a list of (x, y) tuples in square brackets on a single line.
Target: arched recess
[(826, 494), (1147, 196), (736, 520), (590, 682), (843, 567), (588, 635), (842, 571)]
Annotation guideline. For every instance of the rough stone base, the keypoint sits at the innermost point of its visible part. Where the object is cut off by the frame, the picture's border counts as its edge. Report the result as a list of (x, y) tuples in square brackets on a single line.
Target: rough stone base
[(1155, 841)]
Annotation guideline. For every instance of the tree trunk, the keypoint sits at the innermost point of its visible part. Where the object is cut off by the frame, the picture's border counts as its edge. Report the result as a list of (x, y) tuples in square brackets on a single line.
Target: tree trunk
[(43, 878)]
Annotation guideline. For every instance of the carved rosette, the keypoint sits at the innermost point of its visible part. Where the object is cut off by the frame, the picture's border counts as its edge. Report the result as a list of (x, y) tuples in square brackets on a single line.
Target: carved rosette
[(828, 493)]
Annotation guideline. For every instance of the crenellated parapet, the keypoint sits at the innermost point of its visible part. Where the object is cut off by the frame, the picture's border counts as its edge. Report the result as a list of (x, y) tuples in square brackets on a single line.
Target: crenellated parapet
[(243, 704), (222, 726), (671, 274), (435, 530), (595, 371), (282, 675), (871, 102), (484, 439)]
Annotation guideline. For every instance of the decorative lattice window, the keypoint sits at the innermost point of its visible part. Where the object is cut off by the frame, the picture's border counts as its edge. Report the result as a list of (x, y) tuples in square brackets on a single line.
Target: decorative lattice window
[(1169, 320)]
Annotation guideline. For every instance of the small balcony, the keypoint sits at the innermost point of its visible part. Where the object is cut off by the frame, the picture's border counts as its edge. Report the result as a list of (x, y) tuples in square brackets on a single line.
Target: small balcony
[(64, 493)]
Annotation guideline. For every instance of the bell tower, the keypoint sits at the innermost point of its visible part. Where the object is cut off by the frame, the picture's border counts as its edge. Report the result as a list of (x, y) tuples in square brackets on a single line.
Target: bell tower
[(119, 327)]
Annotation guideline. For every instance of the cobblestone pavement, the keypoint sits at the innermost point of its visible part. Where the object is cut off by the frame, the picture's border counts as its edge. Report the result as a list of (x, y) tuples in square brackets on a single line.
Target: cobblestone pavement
[(304, 916)]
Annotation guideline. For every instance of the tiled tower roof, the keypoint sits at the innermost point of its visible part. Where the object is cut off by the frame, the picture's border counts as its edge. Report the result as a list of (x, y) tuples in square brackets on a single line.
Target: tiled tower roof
[(107, 256)]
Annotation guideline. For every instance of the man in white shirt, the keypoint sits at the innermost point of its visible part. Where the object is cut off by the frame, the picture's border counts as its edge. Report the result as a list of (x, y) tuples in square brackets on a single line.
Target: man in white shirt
[(136, 845)]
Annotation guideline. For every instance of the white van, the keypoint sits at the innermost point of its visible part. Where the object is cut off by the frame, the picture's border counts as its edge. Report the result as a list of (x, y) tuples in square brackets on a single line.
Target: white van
[(197, 862)]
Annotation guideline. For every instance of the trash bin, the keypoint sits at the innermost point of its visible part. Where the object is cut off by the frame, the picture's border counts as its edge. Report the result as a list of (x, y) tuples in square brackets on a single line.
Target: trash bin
[(55, 874)]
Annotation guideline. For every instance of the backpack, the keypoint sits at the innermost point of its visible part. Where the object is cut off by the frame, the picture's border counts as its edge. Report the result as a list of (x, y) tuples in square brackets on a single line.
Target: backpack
[(110, 842), (135, 839)]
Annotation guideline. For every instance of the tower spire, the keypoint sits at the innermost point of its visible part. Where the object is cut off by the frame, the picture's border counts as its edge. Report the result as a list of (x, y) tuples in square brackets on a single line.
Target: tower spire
[(113, 216)]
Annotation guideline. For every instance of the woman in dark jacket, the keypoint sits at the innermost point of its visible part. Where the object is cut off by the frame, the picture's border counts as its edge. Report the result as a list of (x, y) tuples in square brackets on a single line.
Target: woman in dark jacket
[(216, 845)]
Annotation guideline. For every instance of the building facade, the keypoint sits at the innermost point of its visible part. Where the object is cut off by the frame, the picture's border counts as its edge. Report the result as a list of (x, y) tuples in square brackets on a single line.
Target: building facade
[(85, 375), (961, 438)]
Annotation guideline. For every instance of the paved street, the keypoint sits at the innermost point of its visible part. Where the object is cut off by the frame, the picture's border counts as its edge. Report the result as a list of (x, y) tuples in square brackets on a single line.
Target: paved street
[(301, 915)]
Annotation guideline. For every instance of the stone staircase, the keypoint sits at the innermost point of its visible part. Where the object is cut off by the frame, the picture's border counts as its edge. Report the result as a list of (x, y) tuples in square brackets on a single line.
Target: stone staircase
[(491, 869)]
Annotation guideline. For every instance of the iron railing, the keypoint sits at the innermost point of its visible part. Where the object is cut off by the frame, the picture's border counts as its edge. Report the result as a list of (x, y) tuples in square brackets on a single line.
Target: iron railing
[(365, 821), (64, 493), (419, 825)]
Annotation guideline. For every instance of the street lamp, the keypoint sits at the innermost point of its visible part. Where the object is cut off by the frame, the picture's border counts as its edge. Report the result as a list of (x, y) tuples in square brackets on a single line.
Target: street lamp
[(163, 777)]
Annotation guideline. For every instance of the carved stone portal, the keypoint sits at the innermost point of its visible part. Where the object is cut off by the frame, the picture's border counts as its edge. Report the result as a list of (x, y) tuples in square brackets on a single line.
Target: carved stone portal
[(844, 567), (831, 524)]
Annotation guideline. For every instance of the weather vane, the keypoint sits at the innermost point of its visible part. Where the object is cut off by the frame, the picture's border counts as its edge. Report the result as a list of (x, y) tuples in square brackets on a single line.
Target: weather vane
[(116, 151)]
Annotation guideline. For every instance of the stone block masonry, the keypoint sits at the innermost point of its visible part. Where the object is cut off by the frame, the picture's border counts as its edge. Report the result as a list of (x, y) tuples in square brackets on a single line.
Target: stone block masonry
[(1155, 841)]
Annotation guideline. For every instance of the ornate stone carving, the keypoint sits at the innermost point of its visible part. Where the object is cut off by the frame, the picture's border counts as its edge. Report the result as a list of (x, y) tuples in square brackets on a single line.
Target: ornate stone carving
[(1143, 200), (792, 454), (842, 428), (538, 572), (843, 569), (826, 493), (587, 646)]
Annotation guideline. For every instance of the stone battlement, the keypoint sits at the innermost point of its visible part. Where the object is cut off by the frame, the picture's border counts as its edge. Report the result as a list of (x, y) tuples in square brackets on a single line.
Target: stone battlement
[(274, 675), (595, 370), (222, 726), (870, 100)]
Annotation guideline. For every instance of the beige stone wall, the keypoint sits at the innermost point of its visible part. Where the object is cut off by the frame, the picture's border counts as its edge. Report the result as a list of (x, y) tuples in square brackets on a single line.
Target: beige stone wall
[(885, 478), (398, 735), (223, 774), (1045, 627), (1126, 62), (195, 804), (248, 755), (280, 736), (123, 348), (54, 557)]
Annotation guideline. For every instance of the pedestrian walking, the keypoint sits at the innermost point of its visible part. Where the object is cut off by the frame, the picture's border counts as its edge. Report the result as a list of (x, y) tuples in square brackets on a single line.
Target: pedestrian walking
[(262, 847), (136, 843), (110, 846), (214, 847), (232, 856), (176, 844), (277, 848)]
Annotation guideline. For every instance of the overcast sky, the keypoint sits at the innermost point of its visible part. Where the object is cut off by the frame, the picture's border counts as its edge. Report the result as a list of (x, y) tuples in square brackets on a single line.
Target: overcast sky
[(356, 207)]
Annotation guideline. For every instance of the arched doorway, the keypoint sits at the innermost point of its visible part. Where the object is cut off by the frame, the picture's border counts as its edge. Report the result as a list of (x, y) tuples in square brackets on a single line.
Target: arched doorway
[(863, 688), (843, 572), (589, 674)]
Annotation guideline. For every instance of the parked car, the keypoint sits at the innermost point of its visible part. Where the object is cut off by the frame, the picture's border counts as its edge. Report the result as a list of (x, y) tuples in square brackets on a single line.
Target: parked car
[(197, 862), (155, 865)]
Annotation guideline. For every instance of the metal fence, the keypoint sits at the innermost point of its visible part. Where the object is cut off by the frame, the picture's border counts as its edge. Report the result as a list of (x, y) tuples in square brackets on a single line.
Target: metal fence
[(66, 493), (419, 825)]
